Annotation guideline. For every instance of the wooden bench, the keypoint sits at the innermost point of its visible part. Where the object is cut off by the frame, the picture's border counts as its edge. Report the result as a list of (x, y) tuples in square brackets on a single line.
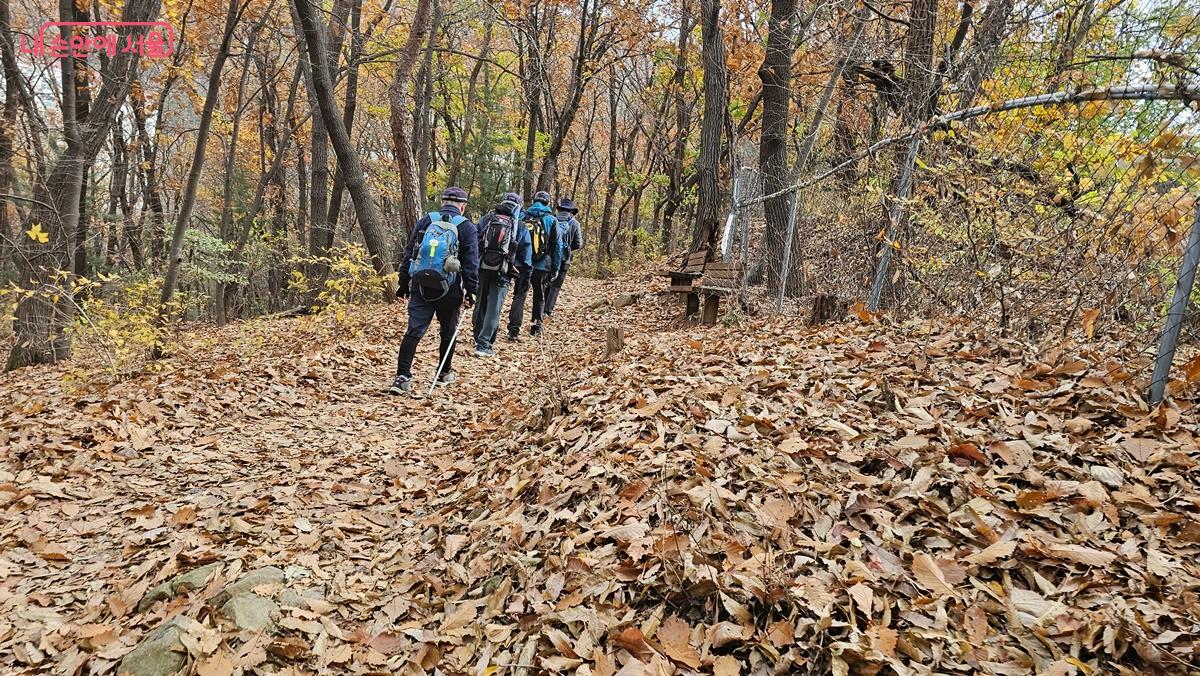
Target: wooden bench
[(710, 279)]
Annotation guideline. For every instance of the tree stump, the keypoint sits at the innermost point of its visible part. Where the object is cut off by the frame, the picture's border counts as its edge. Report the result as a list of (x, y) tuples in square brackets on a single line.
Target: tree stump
[(826, 308), (614, 341)]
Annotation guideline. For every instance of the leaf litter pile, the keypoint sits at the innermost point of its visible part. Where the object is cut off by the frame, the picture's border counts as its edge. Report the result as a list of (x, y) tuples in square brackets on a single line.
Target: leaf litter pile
[(760, 498)]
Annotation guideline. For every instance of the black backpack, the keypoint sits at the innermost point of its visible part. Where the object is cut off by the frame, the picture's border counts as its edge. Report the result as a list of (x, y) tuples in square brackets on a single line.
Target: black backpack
[(495, 243), (539, 236)]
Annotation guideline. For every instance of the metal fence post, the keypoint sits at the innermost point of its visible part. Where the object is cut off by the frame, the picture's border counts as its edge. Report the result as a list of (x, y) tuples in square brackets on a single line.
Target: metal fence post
[(785, 271), (894, 213), (731, 220), (1176, 313)]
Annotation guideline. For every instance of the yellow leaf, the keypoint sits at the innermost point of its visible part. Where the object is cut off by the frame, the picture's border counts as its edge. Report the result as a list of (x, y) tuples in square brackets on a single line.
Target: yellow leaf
[(37, 234)]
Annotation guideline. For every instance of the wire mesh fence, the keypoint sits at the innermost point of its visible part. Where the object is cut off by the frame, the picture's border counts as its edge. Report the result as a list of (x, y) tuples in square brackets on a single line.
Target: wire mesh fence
[(1063, 217)]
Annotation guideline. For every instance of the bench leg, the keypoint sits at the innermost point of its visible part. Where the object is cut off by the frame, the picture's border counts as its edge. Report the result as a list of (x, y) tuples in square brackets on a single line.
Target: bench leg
[(693, 305), (711, 302)]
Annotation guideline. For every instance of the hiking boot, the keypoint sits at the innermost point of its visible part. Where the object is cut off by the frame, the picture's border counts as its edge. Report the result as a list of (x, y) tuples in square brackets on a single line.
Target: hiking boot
[(445, 378), (512, 338), (484, 352), (536, 330), (401, 385)]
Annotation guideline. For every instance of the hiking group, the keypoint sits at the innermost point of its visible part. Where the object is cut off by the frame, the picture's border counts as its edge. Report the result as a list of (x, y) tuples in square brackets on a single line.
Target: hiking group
[(451, 264)]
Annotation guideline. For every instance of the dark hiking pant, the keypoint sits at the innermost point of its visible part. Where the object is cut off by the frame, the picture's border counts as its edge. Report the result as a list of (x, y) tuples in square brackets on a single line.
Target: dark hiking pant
[(420, 314), (556, 287), (485, 319), (539, 281)]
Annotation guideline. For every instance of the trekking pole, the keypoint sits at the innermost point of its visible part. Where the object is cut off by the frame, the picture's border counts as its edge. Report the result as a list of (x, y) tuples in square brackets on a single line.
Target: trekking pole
[(453, 338)]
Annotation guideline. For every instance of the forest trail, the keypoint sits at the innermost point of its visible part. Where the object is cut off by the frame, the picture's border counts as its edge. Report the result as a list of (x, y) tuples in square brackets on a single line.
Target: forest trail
[(733, 499)]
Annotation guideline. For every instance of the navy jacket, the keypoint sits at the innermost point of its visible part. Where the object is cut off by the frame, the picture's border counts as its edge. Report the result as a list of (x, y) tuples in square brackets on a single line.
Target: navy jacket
[(468, 251)]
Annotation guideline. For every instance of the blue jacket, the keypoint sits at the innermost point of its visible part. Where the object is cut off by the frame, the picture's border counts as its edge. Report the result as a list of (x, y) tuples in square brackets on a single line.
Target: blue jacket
[(553, 262), (468, 252)]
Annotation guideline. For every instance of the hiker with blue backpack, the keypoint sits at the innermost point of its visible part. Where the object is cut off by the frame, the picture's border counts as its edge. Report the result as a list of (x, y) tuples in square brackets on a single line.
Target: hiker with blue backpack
[(545, 254), (570, 240), (504, 255), (439, 275)]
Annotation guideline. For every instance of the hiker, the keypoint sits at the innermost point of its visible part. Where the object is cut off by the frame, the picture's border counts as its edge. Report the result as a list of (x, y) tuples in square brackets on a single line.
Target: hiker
[(570, 240), (439, 274), (503, 256), (544, 251)]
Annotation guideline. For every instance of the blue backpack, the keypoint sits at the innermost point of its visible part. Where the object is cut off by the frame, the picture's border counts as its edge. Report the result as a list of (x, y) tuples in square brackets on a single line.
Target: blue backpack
[(564, 238), (435, 263)]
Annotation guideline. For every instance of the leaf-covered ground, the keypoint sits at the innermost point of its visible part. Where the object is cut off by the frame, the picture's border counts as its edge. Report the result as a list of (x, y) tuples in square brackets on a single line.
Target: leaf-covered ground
[(752, 498)]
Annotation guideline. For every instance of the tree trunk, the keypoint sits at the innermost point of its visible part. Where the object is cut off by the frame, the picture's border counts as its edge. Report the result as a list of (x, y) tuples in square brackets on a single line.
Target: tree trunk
[(357, 43), (152, 194), (423, 129), (776, 76), (675, 176), (188, 200), (712, 128), (226, 228), (42, 318), (980, 60), (590, 46), (918, 62), (347, 156), (8, 126), (400, 101), (469, 105), (610, 190), (321, 239)]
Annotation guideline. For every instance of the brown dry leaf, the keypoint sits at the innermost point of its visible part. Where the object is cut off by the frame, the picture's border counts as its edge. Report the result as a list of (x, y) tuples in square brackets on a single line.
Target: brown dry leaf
[(219, 663), (992, 553), (632, 640), (930, 576), (883, 639), (1089, 322), (726, 665), (976, 624), (184, 516), (863, 598), (968, 451), (675, 637), (1080, 554)]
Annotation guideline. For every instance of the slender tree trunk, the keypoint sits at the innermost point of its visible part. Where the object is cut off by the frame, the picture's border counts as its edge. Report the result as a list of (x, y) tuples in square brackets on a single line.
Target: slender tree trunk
[(226, 228), (610, 190), (675, 175), (41, 318), (423, 129), (400, 101), (712, 127), (347, 156), (348, 110), (590, 46), (188, 200), (469, 105)]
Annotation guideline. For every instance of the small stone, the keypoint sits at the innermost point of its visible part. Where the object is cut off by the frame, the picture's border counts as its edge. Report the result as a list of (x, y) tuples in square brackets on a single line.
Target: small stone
[(251, 612), (255, 578), (184, 582), (294, 598), (160, 653), (296, 572)]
